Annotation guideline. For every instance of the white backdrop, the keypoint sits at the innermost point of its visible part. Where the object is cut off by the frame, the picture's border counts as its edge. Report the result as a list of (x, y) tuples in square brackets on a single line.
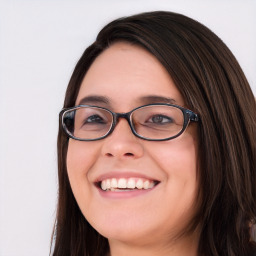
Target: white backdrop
[(40, 42)]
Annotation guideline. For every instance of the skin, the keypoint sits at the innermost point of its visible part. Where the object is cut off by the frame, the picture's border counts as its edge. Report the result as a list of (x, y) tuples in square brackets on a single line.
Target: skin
[(149, 223)]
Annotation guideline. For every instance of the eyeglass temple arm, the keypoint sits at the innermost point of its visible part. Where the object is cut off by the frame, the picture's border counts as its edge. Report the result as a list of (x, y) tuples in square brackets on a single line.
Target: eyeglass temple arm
[(193, 116)]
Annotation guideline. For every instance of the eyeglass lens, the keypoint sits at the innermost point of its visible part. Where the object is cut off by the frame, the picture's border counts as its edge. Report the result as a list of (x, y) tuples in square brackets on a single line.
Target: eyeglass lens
[(152, 122)]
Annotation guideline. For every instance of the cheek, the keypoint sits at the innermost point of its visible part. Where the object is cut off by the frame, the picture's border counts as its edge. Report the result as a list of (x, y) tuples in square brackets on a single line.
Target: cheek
[(178, 156), (80, 159), (80, 156), (178, 161)]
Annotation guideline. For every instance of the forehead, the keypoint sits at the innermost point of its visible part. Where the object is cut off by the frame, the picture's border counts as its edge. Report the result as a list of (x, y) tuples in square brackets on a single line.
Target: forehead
[(123, 73)]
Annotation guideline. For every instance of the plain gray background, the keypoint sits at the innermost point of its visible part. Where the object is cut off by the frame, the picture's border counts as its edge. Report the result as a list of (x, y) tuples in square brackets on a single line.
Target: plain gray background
[(40, 42)]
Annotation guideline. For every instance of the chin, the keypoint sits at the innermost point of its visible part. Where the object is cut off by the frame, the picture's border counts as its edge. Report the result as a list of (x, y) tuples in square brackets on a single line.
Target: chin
[(128, 229)]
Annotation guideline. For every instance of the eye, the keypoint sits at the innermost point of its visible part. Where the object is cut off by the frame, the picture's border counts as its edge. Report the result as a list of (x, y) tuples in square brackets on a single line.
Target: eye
[(91, 119), (160, 119), (94, 119)]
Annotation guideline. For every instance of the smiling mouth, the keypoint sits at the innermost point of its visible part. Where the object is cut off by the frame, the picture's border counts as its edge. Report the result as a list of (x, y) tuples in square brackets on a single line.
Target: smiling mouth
[(123, 184)]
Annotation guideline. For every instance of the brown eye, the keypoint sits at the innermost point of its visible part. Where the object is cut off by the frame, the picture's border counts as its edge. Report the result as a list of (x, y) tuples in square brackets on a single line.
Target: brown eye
[(94, 119)]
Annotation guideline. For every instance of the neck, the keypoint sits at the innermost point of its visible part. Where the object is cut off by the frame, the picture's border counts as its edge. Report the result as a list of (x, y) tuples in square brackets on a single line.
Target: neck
[(182, 246)]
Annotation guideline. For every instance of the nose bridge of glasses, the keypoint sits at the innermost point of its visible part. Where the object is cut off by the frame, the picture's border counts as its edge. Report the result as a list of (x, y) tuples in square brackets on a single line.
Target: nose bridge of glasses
[(117, 116), (126, 116)]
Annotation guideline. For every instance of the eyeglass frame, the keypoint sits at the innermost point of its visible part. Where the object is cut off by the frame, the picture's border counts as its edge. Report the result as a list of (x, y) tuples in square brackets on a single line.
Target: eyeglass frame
[(188, 115)]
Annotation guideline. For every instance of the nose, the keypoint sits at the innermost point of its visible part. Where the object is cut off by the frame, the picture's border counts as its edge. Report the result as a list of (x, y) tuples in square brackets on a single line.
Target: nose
[(122, 143)]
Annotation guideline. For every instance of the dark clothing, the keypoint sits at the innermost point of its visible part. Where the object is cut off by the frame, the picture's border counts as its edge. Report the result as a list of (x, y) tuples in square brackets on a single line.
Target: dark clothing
[(253, 252)]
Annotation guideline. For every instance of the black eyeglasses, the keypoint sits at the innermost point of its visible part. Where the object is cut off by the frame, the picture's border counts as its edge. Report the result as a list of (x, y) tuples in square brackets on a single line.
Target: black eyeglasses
[(154, 122)]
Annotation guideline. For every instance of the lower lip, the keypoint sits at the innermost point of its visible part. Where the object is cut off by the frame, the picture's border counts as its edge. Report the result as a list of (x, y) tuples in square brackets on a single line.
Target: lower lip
[(124, 194)]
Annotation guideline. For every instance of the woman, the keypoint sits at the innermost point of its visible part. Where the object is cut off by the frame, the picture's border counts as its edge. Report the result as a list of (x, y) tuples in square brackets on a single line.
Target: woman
[(156, 146)]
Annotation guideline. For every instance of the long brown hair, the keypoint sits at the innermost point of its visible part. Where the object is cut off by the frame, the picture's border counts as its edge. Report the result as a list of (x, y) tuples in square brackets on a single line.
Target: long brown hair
[(214, 86)]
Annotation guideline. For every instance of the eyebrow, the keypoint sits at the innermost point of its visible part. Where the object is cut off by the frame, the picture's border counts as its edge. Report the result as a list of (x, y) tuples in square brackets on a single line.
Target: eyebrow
[(93, 99), (156, 99)]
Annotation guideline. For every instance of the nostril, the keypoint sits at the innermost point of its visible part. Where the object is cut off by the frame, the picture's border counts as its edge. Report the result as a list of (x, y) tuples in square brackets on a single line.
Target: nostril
[(128, 154)]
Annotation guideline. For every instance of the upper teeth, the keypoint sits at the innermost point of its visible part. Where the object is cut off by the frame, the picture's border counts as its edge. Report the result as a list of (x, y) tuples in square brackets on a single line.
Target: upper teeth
[(131, 183)]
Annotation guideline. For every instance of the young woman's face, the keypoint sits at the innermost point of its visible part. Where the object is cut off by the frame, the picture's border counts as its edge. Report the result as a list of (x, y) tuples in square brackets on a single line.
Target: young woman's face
[(122, 78)]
